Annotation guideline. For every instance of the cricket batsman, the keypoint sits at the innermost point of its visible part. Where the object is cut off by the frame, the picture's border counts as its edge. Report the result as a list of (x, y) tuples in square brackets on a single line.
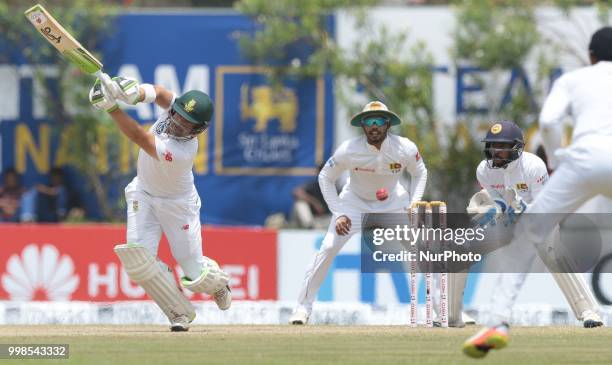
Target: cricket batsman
[(163, 198), (582, 171), (375, 162)]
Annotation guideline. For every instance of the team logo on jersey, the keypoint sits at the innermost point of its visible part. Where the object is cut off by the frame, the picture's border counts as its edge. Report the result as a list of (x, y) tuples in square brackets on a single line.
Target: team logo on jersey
[(168, 156), (541, 179), (185, 227), (135, 205), (496, 128), (395, 167), (190, 106), (522, 187)]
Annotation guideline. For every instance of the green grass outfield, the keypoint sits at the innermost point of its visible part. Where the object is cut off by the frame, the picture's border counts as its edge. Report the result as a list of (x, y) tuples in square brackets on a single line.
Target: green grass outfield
[(134, 345)]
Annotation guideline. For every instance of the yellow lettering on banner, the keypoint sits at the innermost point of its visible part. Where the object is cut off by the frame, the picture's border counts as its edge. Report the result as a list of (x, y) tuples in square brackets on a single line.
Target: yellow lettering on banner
[(124, 154), (62, 156), (200, 164), (101, 150), (26, 145)]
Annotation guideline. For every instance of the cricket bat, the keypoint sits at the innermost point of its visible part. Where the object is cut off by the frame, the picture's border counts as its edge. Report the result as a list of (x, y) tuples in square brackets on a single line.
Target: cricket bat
[(64, 42)]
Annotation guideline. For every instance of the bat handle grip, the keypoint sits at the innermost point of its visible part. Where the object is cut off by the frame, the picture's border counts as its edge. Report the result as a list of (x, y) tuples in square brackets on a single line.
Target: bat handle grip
[(108, 83)]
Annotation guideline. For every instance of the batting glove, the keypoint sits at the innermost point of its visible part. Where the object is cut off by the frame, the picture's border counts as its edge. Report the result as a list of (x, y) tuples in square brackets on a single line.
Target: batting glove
[(129, 90), (101, 98)]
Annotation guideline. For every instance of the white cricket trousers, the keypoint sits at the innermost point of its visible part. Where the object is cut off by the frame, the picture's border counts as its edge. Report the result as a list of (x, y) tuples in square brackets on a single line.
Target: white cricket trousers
[(585, 171), (179, 218), (332, 242)]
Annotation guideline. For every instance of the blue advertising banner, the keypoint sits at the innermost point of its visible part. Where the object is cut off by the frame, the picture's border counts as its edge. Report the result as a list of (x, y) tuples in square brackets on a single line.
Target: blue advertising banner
[(261, 145)]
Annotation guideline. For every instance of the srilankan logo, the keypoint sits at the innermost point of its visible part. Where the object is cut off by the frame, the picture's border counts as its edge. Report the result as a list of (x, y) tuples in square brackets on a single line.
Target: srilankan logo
[(40, 273), (395, 167), (522, 187), (496, 128)]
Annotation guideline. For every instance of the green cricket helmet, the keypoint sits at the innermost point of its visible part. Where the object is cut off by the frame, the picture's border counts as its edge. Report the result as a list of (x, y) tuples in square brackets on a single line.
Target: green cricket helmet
[(195, 107)]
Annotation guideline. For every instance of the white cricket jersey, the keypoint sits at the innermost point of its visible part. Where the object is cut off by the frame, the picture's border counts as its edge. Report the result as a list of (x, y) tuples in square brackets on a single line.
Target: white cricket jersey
[(526, 175), (371, 169), (583, 94), (170, 176)]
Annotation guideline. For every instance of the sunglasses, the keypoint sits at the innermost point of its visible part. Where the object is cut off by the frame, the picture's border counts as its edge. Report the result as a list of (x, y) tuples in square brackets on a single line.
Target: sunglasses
[(377, 121)]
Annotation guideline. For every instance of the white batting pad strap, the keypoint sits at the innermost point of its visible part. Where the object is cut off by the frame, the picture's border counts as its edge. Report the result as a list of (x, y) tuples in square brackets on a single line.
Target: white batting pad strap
[(210, 281), (149, 93), (156, 279)]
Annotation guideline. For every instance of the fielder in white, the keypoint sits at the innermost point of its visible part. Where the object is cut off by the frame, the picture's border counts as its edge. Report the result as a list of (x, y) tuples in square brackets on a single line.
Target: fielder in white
[(581, 171), (163, 198), (375, 162)]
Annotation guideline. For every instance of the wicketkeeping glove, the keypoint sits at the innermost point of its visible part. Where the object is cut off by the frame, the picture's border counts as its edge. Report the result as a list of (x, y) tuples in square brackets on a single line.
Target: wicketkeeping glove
[(485, 211), (129, 90), (101, 98)]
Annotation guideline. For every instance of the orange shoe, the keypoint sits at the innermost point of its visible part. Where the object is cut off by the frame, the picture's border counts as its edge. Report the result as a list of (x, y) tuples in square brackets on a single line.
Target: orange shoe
[(488, 338)]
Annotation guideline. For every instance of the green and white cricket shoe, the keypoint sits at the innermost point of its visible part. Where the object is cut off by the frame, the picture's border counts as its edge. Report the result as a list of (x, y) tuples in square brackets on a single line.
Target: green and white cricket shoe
[(299, 317), (591, 319), (179, 324), (223, 298)]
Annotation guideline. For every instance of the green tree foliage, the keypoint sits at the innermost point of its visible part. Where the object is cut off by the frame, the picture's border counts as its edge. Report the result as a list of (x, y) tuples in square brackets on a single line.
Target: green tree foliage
[(493, 35), (287, 23), (84, 130), (392, 67)]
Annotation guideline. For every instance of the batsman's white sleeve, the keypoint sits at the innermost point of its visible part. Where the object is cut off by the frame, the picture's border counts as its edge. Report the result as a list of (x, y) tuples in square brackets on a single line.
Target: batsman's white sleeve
[(555, 108), (327, 181)]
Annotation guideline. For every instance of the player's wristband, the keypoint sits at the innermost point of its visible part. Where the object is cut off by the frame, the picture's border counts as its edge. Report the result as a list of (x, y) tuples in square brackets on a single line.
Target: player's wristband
[(149, 93)]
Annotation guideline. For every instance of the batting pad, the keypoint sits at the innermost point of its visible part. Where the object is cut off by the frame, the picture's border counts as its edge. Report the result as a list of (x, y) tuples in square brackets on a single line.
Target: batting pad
[(156, 279), (210, 281), (577, 292)]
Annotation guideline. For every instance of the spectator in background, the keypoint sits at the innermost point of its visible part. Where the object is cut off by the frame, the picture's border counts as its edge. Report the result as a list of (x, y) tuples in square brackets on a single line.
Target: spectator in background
[(10, 196), (47, 203), (310, 209)]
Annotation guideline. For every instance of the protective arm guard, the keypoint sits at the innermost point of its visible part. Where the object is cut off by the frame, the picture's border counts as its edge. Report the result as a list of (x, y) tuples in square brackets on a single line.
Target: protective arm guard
[(210, 281)]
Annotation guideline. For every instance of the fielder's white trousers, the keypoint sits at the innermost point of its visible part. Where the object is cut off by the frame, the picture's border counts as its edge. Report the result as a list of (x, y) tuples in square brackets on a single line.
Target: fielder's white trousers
[(585, 171), (179, 218), (333, 243)]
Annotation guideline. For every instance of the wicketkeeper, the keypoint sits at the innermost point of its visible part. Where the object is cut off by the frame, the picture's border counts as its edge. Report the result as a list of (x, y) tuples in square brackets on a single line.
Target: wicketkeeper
[(511, 180), (163, 198)]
